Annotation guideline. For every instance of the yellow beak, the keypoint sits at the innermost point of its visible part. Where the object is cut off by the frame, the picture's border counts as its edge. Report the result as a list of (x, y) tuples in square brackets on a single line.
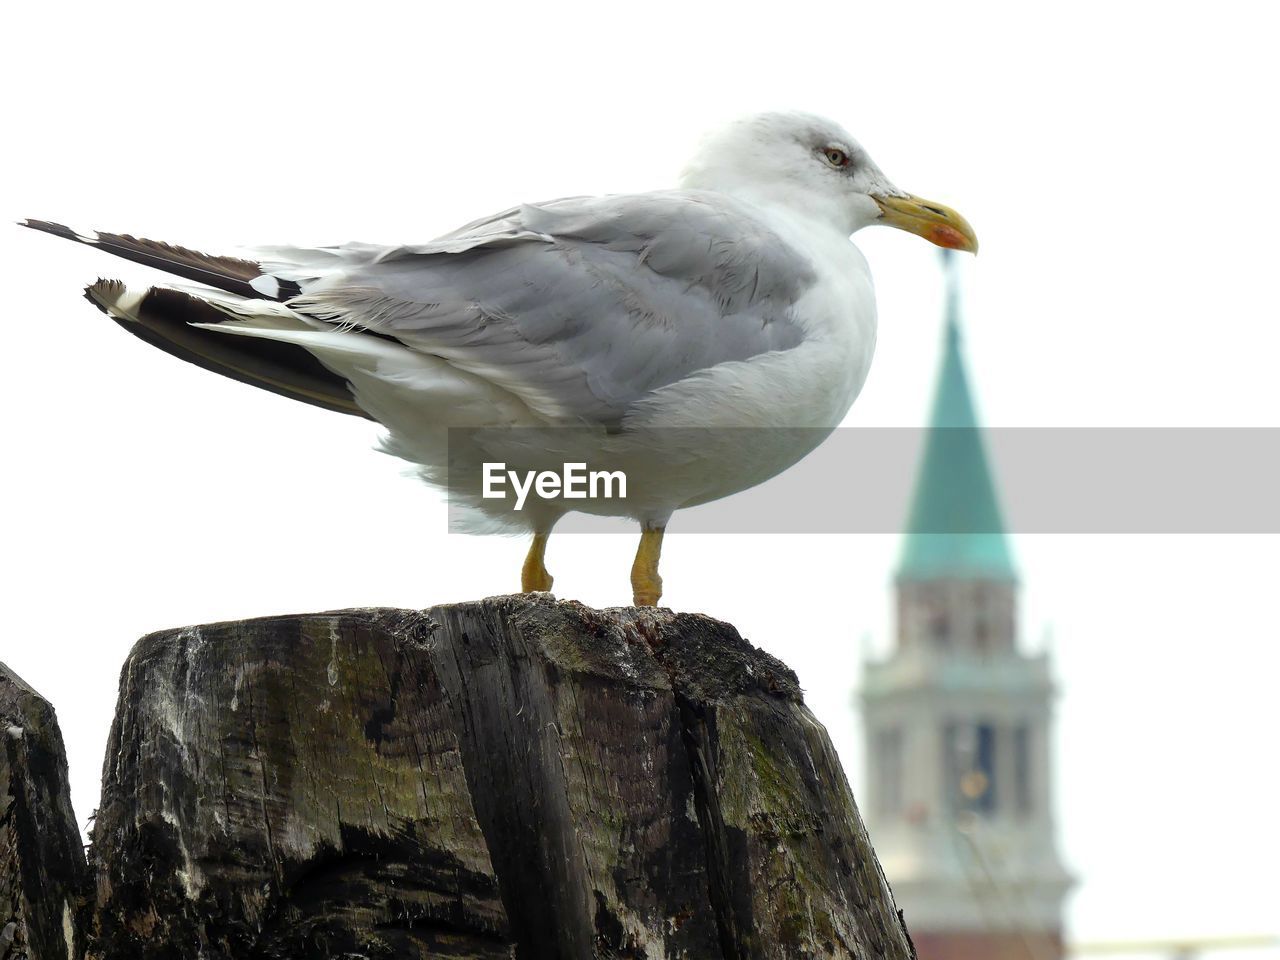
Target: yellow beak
[(933, 221)]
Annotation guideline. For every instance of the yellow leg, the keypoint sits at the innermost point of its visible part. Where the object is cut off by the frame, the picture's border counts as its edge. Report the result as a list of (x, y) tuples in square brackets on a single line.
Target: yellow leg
[(646, 585), (533, 575)]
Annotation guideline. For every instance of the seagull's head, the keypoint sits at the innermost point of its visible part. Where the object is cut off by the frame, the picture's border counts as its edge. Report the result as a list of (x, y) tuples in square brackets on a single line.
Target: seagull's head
[(816, 168)]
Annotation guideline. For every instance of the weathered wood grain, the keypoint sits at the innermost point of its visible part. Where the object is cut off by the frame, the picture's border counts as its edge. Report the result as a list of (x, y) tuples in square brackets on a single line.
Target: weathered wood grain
[(515, 777), (43, 875)]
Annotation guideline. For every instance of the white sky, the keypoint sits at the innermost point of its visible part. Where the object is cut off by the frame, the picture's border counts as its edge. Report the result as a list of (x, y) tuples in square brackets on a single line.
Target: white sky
[(1118, 163)]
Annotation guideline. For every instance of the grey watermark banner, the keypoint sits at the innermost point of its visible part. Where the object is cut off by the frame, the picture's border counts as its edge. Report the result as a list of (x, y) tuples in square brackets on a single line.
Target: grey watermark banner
[(863, 480)]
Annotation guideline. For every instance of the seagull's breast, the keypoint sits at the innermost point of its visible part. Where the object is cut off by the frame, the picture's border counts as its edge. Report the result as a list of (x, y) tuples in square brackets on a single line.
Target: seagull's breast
[(838, 315), (737, 424), (812, 384)]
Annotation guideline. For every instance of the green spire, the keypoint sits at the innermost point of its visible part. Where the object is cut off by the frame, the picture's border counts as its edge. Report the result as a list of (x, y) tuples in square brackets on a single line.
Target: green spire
[(955, 528)]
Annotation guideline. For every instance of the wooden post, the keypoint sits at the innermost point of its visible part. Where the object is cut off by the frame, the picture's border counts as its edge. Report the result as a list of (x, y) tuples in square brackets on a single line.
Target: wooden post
[(43, 875), (514, 778)]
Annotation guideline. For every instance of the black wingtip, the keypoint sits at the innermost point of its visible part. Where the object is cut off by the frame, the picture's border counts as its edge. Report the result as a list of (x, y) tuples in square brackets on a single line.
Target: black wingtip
[(48, 226), (100, 286), (88, 295)]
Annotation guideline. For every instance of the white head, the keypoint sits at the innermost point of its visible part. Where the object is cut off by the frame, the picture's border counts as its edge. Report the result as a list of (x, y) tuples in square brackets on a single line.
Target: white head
[(814, 167)]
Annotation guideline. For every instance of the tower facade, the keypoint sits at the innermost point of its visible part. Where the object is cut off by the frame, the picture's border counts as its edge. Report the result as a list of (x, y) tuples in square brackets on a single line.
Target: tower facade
[(957, 718)]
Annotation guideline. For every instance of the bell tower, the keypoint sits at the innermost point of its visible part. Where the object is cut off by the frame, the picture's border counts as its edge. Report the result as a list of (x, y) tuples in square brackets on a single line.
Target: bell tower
[(957, 717)]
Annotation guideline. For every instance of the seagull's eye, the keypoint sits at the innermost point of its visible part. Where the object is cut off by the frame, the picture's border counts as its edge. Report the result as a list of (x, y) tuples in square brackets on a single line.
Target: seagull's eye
[(835, 156)]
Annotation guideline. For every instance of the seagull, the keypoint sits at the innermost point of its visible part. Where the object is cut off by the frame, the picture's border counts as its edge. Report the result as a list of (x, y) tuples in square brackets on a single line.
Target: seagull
[(677, 336)]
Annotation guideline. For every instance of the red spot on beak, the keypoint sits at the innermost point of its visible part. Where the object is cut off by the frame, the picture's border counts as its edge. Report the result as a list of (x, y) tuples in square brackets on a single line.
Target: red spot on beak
[(945, 236)]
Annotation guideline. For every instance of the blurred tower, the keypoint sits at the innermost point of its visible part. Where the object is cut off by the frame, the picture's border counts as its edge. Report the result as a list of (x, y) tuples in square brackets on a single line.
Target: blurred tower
[(957, 718)]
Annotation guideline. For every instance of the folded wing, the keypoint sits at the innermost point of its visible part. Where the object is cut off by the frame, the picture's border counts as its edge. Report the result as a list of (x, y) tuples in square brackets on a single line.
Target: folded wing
[(577, 308), (581, 307)]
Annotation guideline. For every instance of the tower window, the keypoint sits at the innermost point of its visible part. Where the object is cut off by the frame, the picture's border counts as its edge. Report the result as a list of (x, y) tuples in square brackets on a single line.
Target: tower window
[(971, 766), (889, 768), (940, 630), (1022, 769), (982, 635)]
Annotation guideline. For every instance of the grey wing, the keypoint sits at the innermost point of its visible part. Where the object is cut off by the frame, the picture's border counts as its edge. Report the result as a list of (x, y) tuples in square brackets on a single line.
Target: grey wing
[(583, 306)]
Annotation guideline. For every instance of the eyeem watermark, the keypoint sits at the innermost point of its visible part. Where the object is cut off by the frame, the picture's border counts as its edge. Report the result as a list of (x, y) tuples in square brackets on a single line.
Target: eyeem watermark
[(1059, 480), (573, 482)]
